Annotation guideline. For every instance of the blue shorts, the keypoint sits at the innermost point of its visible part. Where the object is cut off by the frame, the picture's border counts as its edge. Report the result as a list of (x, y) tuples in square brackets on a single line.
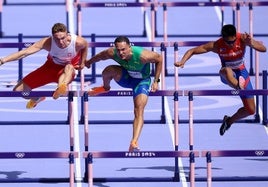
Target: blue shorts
[(245, 75), (139, 86)]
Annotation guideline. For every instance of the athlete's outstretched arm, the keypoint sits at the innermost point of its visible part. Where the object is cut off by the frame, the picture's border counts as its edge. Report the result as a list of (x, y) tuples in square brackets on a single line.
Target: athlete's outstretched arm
[(195, 51), (103, 55), (37, 46)]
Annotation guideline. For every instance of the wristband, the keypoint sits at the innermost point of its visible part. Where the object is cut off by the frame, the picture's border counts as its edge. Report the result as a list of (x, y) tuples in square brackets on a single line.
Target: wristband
[(157, 80)]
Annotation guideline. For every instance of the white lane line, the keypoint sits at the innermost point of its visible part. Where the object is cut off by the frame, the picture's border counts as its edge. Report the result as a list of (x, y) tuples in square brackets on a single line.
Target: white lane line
[(218, 12), (78, 168), (171, 129)]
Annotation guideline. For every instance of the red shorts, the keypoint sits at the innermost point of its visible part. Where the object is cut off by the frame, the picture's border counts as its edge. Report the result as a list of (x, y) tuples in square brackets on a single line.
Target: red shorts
[(49, 72)]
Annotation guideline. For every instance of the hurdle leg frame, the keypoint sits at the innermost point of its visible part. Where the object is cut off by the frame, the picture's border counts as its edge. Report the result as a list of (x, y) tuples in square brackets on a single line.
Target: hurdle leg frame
[(264, 99), (86, 137)]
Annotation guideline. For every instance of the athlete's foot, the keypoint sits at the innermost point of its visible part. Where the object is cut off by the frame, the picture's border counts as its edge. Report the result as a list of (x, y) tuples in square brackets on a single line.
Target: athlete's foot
[(61, 90), (133, 147), (32, 103), (97, 91), (241, 83), (225, 126)]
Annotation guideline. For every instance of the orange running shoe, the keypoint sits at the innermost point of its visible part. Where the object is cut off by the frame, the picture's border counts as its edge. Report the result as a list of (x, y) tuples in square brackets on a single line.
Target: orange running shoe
[(61, 90), (133, 147), (97, 91), (32, 103)]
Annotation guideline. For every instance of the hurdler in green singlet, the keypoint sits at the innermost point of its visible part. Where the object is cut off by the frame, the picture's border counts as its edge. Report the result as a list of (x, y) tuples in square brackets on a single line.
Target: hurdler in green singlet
[(134, 66)]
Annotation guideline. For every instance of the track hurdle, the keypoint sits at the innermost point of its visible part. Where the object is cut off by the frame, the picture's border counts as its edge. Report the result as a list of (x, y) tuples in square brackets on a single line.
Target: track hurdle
[(43, 94), (236, 6), (20, 45), (263, 92), (69, 120), (231, 153), (21, 4), (42, 155), (126, 93), (45, 155), (167, 5), (80, 5), (136, 155)]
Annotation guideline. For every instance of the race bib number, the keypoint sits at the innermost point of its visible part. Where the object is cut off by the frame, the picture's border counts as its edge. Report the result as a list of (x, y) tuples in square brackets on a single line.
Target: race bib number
[(135, 74)]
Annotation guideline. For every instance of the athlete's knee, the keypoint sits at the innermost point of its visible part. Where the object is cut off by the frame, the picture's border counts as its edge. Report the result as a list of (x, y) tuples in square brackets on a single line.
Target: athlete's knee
[(138, 111), (107, 69), (69, 68), (112, 71)]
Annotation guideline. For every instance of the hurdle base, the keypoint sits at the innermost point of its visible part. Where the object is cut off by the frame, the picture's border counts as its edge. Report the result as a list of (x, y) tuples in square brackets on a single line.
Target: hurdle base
[(174, 179), (2, 34), (34, 122), (233, 179), (36, 180), (161, 121), (92, 122), (135, 179), (217, 121), (176, 176)]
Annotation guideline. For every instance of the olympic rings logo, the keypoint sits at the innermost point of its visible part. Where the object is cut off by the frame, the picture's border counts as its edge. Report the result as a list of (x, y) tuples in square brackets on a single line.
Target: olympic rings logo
[(24, 93), (259, 153), (19, 155), (235, 92), (27, 44)]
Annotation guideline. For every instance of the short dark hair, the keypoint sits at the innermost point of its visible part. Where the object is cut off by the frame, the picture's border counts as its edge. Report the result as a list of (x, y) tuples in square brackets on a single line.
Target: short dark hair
[(58, 27), (122, 39), (228, 30)]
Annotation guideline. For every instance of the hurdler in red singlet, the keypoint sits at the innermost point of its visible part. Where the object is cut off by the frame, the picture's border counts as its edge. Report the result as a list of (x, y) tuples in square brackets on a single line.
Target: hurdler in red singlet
[(53, 68), (231, 49), (67, 52), (233, 57)]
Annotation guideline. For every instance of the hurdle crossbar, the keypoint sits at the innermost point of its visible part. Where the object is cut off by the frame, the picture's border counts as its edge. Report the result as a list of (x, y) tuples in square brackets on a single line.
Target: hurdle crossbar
[(140, 154), (199, 4), (31, 155), (114, 4), (226, 92), (235, 153), (114, 93), (143, 44)]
